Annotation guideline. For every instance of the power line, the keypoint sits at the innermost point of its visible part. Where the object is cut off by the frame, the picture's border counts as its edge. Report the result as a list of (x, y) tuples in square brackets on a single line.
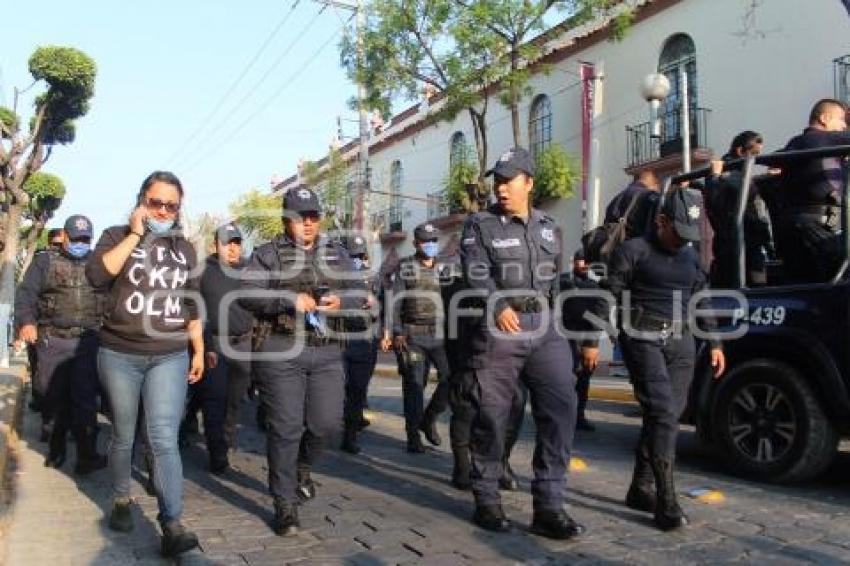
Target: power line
[(289, 82), (255, 88), (234, 84)]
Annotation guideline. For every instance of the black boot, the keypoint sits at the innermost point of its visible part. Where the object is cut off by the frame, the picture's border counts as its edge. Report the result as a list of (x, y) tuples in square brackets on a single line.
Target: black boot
[(58, 445), (641, 494), (414, 443), (176, 539), (508, 481), (461, 472), (555, 524), (668, 514), (121, 516), (306, 487), (285, 522), (492, 518), (349, 440), (428, 426), (88, 458)]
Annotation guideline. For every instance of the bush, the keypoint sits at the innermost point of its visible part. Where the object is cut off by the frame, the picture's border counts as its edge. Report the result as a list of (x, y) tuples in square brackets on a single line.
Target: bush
[(557, 174)]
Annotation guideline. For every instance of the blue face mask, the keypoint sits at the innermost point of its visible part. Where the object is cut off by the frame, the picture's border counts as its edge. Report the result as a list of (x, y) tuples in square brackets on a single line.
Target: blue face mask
[(430, 249), (78, 249), (159, 227), (358, 263)]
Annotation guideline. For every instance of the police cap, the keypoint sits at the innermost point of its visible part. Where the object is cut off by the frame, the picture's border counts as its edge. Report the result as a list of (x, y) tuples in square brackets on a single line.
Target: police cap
[(78, 226), (684, 208), (301, 199), (227, 233), (356, 245), (426, 232), (512, 163)]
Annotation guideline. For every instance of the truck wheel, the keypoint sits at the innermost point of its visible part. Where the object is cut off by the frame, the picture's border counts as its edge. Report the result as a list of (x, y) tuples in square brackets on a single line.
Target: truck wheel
[(770, 425)]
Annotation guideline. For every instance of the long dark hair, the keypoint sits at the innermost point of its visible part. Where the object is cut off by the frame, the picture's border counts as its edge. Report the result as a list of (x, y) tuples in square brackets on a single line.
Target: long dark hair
[(159, 176)]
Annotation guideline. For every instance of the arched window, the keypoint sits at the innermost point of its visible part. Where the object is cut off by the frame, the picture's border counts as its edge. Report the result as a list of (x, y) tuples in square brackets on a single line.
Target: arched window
[(396, 179), (458, 149), (540, 125), (678, 55)]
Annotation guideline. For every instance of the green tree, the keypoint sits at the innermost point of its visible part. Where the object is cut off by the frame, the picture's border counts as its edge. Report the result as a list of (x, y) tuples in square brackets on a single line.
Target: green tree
[(258, 212), (69, 77), (556, 174), (463, 172), (328, 179), (409, 46), (513, 30), (45, 192)]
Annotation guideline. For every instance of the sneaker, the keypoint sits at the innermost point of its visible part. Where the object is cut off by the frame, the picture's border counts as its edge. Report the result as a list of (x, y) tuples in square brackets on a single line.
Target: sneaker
[(121, 517), (285, 522), (176, 539)]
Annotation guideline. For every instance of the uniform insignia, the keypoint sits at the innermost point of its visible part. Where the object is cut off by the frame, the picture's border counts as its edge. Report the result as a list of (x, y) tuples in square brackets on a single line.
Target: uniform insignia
[(429, 228), (507, 156), (303, 194), (81, 224), (548, 234), (693, 212), (358, 240), (506, 243), (468, 241)]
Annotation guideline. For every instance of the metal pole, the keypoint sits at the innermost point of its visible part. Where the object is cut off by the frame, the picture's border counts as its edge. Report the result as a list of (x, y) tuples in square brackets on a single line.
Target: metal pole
[(685, 129), (363, 157)]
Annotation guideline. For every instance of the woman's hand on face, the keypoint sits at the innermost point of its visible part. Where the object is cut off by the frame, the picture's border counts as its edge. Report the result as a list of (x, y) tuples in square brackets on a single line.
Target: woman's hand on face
[(137, 219), (196, 367)]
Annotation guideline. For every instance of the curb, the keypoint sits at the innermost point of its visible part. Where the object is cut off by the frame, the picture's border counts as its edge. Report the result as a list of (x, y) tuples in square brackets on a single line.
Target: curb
[(602, 388)]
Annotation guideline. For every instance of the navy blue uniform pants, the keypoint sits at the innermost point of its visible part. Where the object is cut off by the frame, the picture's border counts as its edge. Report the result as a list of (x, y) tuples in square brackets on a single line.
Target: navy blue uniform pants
[(302, 398), (238, 381), (415, 364), (359, 361), (545, 365), (661, 374), (68, 366)]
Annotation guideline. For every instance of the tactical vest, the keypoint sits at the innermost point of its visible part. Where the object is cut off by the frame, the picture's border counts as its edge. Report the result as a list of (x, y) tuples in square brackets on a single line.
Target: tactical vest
[(308, 279), (68, 300), (420, 307)]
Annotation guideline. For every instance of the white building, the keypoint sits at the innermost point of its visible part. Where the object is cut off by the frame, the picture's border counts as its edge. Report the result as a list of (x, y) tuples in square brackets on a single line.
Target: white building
[(757, 66)]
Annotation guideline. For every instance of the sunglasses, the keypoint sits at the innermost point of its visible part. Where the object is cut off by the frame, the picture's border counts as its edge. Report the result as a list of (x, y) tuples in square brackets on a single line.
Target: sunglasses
[(156, 204)]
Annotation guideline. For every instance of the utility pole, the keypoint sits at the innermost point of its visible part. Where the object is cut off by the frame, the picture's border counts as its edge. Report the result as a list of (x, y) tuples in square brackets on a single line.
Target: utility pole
[(362, 219)]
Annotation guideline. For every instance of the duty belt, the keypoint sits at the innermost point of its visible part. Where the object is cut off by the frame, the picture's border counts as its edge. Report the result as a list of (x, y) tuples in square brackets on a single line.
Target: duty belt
[(72, 332), (526, 304), (420, 329), (310, 338), (665, 327)]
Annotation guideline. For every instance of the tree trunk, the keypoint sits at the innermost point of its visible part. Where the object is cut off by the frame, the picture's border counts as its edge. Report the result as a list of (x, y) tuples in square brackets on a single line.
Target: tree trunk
[(514, 97), (10, 255), (30, 243)]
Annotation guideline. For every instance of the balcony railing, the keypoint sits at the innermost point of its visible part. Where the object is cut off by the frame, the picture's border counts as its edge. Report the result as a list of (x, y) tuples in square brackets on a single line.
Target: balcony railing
[(438, 205), (643, 147), (842, 78), (388, 220)]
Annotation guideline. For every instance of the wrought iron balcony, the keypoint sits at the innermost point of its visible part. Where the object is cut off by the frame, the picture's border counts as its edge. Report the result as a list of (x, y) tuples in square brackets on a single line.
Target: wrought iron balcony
[(841, 66), (389, 220), (643, 147), (438, 205)]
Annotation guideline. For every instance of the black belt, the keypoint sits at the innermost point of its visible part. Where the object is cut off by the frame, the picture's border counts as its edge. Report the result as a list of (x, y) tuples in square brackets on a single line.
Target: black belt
[(653, 324), (309, 338), (526, 304), (72, 332), (420, 329)]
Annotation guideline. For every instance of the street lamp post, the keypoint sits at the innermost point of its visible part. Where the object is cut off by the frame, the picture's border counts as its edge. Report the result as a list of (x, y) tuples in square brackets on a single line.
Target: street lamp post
[(654, 88)]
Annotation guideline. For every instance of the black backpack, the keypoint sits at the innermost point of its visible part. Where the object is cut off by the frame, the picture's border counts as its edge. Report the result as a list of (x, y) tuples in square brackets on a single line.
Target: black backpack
[(600, 242)]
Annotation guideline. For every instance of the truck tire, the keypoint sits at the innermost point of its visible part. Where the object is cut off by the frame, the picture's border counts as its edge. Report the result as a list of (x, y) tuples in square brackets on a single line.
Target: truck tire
[(770, 425)]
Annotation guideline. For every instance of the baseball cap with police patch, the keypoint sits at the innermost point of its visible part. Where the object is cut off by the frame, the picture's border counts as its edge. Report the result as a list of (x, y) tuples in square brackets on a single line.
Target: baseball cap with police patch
[(426, 232), (78, 226), (301, 200), (227, 233), (356, 245), (512, 163), (684, 208)]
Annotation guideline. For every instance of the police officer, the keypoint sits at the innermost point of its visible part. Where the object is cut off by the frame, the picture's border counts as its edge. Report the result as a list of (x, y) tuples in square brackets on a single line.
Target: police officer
[(55, 239), (361, 354), (228, 347), (59, 311), (417, 314), (294, 285), (658, 347), (511, 253)]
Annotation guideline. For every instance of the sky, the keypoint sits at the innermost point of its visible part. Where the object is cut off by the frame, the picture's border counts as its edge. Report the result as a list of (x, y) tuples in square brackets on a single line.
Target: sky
[(225, 94)]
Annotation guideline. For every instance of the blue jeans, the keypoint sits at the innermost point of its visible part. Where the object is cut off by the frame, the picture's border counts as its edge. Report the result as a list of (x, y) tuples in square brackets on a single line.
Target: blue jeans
[(160, 382)]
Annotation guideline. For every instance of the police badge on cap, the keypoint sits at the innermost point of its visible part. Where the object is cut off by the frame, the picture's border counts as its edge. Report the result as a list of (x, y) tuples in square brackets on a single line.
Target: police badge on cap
[(301, 200)]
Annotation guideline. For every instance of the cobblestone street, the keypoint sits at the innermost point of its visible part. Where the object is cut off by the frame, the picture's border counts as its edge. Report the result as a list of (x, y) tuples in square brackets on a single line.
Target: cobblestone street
[(389, 507)]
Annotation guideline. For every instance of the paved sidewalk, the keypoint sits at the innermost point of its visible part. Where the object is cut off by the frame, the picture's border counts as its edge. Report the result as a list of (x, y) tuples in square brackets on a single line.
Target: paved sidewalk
[(389, 507)]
